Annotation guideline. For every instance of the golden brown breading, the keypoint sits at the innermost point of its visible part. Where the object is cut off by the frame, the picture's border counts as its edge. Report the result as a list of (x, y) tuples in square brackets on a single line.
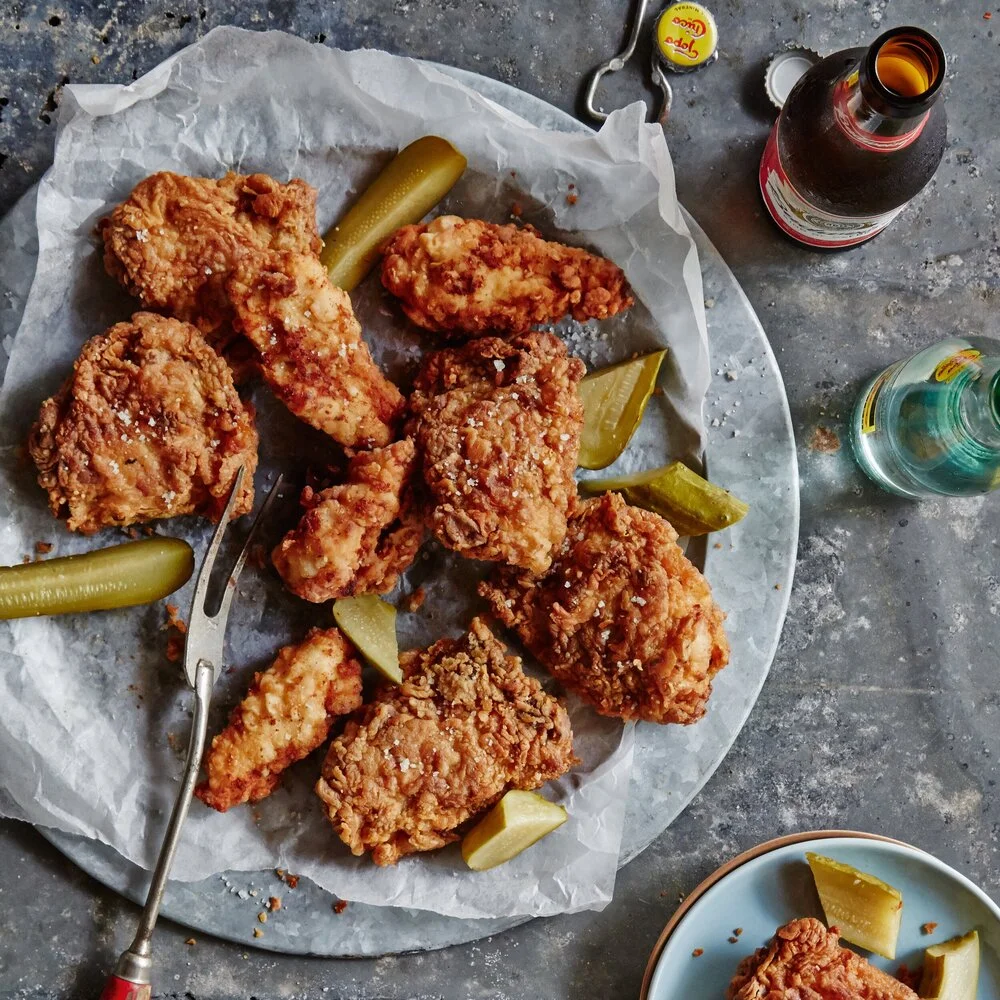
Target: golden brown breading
[(804, 960), (286, 714), (312, 354), (622, 617), (358, 537), (497, 424), (465, 726), (148, 425), (175, 239), (471, 277)]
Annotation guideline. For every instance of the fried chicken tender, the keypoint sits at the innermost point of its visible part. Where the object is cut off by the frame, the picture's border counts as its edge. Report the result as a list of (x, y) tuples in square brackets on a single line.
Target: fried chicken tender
[(622, 617), (286, 714), (469, 277), (804, 960), (312, 354), (148, 425), (465, 726), (497, 423), (359, 537), (175, 239)]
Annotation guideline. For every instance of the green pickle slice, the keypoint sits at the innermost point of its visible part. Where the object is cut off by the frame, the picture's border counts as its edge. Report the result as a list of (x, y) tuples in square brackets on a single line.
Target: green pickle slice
[(614, 400), (517, 821), (951, 969), (693, 505), (370, 623), (119, 576), (407, 189)]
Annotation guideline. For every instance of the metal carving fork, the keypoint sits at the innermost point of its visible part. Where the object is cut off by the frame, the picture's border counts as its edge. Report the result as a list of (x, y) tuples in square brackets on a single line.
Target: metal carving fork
[(131, 979)]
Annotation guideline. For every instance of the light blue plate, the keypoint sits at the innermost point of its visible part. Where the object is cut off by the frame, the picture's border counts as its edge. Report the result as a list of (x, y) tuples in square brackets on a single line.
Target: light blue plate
[(773, 888)]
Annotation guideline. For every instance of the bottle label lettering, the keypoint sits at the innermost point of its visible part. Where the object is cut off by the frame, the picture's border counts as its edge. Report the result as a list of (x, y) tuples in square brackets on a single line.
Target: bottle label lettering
[(868, 410), (805, 222), (948, 369)]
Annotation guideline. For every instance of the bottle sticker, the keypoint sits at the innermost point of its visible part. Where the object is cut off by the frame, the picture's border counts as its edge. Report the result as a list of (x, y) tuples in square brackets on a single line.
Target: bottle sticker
[(804, 222), (948, 369), (868, 410), (851, 126)]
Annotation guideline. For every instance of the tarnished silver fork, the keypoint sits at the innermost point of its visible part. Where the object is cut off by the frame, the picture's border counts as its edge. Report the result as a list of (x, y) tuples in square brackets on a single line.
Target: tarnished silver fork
[(206, 634)]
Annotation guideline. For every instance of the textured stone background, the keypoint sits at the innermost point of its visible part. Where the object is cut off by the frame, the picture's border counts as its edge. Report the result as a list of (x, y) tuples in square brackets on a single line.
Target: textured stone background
[(881, 712)]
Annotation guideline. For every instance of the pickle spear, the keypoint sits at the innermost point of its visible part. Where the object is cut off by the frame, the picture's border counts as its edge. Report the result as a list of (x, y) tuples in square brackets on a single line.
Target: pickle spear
[(951, 969), (866, 910), (370, 624), (517, 821), (409, 187), (116, 577), (693, 505), (614, 400)]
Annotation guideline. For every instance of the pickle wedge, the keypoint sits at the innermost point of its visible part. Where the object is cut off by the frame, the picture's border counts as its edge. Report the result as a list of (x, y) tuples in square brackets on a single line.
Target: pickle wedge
[(865, 909), (951, 969), (116, 577), (370, 624), (409, 187), (693, 505), (517, 821), (614, 400)]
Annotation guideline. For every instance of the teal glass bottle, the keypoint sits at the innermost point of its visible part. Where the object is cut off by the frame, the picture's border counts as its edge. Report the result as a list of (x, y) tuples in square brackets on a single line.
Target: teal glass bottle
[(930, 425)]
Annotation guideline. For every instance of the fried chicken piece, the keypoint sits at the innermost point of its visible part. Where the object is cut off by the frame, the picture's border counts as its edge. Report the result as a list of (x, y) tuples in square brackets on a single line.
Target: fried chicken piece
[(497, 424), (286, 714), (466, 276), (175, 239), (465, 726), (312, 354), (148, 425), (622, 617), (359, 537), (804, 961)]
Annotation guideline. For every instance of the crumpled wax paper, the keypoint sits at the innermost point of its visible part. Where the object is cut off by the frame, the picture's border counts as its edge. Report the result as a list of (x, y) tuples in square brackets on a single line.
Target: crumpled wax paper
[(95, 718)]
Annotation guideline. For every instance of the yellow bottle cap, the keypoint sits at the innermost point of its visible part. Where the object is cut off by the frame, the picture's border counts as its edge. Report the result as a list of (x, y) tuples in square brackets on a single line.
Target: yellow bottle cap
[(686, 36)]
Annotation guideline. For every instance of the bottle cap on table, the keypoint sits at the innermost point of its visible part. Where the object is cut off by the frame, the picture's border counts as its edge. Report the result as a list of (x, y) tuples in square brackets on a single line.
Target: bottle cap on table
[(686, 37), (784, 71)]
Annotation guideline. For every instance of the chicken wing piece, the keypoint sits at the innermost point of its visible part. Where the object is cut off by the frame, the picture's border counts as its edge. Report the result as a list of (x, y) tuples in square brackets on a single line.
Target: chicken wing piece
[(148, 425), (465, 726), (359, 537), (469, 277), (174, 240), (286, 714), (312, 354), (622, 617), (497, 424), (804, 960)]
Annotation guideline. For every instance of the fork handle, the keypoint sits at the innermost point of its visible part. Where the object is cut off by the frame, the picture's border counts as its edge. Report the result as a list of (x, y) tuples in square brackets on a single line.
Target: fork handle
[(117, 988)]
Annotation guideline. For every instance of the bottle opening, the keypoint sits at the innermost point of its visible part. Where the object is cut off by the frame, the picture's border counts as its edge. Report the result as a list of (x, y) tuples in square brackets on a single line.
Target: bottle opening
[(903, 71)]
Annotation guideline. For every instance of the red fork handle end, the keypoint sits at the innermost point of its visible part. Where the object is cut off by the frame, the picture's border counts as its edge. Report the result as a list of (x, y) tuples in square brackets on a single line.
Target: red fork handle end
[(117, 988)]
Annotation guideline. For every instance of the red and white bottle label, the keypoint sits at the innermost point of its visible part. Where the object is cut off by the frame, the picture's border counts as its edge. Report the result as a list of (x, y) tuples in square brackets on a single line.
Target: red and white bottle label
[(805, 222)]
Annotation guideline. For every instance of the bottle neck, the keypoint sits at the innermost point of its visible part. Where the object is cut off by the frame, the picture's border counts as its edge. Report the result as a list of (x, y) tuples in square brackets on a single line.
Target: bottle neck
[(882, 103), (980, 402)]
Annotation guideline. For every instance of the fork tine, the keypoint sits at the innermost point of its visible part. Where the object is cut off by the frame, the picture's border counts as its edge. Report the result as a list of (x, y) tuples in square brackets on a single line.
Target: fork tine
[(227, 598)]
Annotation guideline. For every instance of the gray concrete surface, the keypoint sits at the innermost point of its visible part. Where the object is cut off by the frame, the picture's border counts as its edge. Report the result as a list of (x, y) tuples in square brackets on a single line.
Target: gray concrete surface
[(882, 707)]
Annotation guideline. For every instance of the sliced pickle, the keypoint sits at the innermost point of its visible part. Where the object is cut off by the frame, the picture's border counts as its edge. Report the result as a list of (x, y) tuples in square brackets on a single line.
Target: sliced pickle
[(693, 505), (614, 400), (409, 187), (517, 821), (865, 910), (370, 624), (951, 969), (119, 576)]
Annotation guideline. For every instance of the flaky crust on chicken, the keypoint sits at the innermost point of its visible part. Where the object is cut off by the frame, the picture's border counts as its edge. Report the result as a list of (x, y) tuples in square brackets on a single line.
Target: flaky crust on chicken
[(804, 960), (424, 757), (174, 240), (148, 425), (286, 714), (469, 277), (311, 351), (622, 617), (358, 537), (497, 424)]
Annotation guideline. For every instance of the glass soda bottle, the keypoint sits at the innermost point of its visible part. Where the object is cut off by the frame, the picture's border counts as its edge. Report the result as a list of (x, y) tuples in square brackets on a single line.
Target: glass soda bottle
[(930, 425), (859, 135)]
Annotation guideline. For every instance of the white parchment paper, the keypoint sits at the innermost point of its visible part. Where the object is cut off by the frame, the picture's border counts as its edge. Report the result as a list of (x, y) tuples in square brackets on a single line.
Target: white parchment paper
[(94, 716)]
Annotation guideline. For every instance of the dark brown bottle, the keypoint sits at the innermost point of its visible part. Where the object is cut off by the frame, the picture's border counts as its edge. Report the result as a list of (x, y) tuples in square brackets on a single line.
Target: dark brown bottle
[(859, 135)]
